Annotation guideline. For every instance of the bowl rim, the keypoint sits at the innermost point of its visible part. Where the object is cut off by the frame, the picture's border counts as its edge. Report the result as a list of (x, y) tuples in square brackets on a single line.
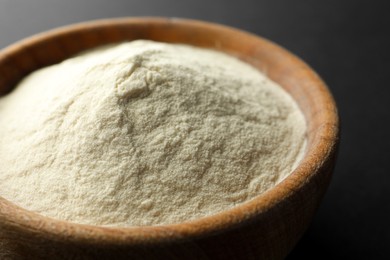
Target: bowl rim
[(313, 160)]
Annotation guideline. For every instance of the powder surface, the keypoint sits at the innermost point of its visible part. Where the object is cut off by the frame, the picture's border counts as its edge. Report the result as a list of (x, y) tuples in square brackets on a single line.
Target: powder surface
[(145, 133)]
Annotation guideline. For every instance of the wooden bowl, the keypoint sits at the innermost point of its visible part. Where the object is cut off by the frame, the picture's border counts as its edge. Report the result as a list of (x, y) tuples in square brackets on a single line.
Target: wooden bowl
[(266, 227)]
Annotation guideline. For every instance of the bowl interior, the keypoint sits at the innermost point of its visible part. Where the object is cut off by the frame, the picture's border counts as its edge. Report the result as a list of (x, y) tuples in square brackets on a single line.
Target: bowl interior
[(292, 74)]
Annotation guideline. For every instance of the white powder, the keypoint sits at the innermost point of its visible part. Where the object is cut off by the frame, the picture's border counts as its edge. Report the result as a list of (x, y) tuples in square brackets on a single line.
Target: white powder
[(145, 133)]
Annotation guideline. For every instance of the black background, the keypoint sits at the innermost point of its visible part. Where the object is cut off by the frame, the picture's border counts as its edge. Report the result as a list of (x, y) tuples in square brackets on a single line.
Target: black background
[(346, 41)]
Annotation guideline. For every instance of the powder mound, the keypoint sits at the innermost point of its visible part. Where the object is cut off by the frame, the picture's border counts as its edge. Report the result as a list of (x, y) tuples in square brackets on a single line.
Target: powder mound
[(145, 133)]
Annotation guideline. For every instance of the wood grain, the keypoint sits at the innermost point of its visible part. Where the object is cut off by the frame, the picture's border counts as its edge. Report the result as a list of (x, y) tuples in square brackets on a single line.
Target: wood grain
[(266, 227)]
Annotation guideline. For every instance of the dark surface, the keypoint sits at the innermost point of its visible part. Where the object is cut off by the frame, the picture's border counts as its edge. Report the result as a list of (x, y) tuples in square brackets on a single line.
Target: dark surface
[(347, 42)]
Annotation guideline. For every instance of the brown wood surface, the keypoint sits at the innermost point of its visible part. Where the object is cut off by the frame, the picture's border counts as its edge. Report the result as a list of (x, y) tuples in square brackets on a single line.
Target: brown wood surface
[(266, 227)]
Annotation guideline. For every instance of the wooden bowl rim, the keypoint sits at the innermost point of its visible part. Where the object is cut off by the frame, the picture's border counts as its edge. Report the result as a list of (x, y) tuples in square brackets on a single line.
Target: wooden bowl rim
[(314, 159)]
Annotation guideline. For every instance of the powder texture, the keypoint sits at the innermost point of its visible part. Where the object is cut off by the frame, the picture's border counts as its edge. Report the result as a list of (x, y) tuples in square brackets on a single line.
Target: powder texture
[(145, 133)]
